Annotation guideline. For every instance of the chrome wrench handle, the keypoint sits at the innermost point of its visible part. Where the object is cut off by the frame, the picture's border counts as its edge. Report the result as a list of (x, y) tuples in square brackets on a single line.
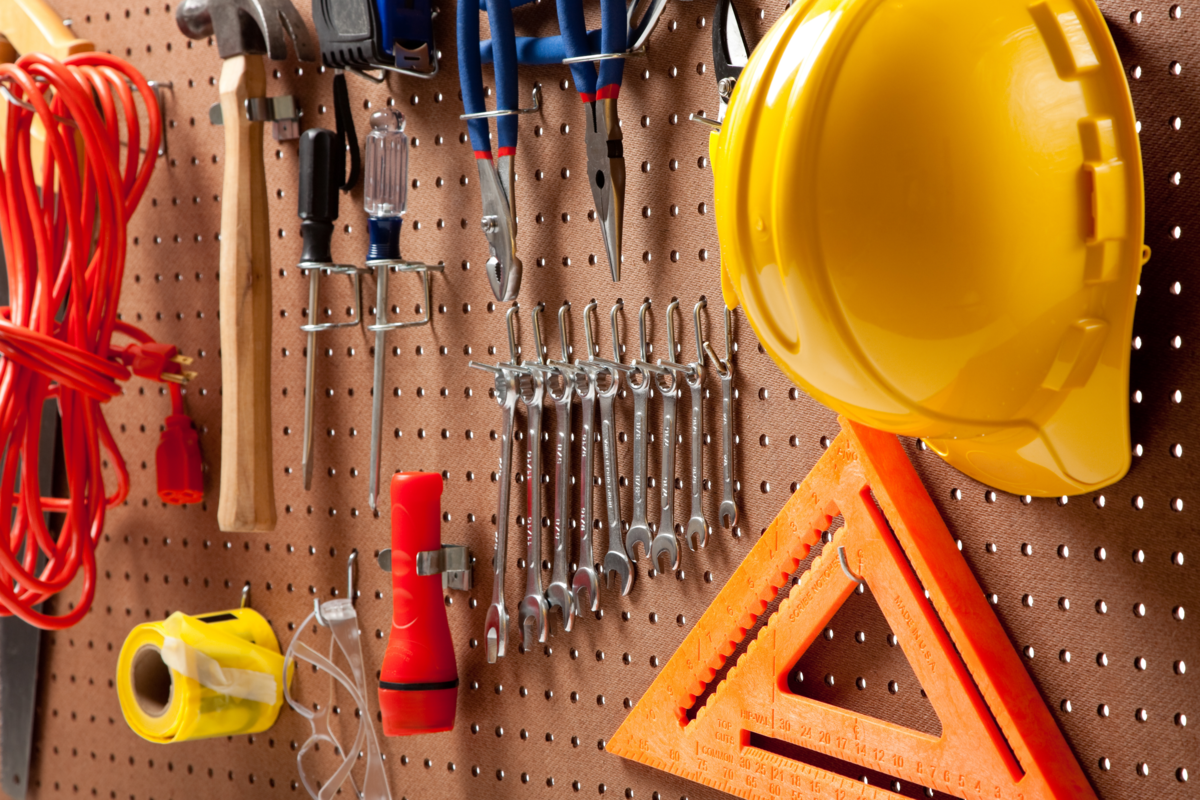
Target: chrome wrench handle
[(585, 578), (496, 624), (559, 593), (639, 528), (729, 511), (697, 528), (534, 609), (664, 541), (615, 560)]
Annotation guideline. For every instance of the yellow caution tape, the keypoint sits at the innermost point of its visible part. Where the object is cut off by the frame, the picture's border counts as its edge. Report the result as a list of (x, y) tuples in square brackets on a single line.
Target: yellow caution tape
[(196, 677)]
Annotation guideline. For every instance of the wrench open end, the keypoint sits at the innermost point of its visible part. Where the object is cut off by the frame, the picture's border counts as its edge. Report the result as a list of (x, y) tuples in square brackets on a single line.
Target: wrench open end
[(729, 513), (619, 565), (697, 533), (585, 580), (495, 644), (559, 596), (534, 621), (665, 545), (638, 534)]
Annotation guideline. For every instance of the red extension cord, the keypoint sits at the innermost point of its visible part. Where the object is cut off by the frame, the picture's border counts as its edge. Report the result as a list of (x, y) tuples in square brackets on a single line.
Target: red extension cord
[(65, 254)]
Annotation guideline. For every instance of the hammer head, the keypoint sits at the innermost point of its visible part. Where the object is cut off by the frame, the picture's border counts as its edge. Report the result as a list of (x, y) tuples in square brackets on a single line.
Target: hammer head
[(247, 27)]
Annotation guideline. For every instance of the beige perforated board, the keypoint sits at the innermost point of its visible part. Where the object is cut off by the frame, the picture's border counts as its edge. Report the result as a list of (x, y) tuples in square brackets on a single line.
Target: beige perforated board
[(534, 725)]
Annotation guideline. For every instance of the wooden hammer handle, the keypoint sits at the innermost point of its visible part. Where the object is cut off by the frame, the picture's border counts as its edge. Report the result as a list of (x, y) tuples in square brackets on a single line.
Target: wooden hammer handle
[(247, 474)]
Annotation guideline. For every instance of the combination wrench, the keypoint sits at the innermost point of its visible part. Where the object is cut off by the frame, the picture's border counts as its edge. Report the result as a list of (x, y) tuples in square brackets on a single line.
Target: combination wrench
[(665, 542), (559, 592), (616, 562), (728, 512), (534, 609), (639, 528), (697, 527), (585, 578), (507, 378)]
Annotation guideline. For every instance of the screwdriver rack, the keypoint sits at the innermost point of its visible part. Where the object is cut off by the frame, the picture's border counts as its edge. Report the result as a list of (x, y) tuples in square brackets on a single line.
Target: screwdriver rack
[(1106, 579)]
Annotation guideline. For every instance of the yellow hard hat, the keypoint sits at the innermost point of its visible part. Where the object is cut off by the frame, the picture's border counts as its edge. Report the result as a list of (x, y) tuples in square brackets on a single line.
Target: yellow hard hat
[(931, 212)]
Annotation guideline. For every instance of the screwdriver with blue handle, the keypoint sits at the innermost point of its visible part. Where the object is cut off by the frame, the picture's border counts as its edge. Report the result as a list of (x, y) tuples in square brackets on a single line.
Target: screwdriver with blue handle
[(385, 196)]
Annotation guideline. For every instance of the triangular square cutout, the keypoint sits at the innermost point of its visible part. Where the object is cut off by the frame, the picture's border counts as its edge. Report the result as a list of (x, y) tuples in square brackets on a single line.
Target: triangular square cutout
[(857, 664), (998, 739)]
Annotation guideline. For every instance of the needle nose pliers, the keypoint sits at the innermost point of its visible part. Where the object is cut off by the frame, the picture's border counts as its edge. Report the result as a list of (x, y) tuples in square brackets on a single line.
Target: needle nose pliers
[(605, 152)]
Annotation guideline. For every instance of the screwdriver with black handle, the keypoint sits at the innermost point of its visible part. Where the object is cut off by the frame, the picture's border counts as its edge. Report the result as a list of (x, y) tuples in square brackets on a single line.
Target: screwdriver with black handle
[(318, 209)]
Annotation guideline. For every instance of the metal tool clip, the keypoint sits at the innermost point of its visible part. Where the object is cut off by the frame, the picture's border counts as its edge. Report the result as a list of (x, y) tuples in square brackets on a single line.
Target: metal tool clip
[(452, 562), (282, 112)]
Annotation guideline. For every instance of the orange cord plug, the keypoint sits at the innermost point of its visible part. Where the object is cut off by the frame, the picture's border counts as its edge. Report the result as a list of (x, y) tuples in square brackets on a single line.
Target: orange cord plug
[(156, 361)]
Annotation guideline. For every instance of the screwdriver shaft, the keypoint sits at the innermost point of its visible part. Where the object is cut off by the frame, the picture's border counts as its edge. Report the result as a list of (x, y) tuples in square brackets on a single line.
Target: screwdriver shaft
[(381, 289), (310, 374)]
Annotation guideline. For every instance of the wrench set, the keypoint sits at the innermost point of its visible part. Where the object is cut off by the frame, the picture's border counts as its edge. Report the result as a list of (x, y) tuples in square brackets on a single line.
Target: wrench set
[(597, 383)]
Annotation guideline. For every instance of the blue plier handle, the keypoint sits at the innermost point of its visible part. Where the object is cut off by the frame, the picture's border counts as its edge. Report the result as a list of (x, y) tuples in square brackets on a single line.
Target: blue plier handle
[(614, 35), (496, 175), (539, 50), (470, 75)]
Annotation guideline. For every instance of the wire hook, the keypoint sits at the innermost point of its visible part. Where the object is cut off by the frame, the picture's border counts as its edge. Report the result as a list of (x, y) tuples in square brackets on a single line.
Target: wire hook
[(352, 575), (513, 349), (537, 333), (246, 595), (698, 322), (616, 329), (588, 333), (671, 309), (564, 330), (841, 554), (642, 312), (723, 363)]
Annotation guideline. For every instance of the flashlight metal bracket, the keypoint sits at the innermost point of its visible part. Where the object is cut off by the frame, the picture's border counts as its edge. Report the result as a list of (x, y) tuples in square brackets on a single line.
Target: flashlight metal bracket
[(453, 562)]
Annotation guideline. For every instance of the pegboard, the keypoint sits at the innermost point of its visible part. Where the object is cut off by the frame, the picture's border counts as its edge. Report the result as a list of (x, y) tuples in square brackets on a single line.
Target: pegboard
[(1093, 591)]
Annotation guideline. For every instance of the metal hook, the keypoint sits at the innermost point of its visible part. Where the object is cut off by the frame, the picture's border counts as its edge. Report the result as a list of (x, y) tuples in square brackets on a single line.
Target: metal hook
[(588, 332), (564, 325), (698, 322), (723, 363), (841, 553), (352, 575), (317, 613), (674, 305), (642, 312), (537, 333), (616, 329), (12, 98), (246, 595), (513, 350)]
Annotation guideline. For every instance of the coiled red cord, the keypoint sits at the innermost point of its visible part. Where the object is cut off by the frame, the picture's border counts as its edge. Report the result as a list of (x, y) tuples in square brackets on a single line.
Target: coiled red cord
[(65, 251)]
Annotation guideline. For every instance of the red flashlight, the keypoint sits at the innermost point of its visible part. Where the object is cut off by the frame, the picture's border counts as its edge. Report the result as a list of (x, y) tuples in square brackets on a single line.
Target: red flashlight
[(418, 682)]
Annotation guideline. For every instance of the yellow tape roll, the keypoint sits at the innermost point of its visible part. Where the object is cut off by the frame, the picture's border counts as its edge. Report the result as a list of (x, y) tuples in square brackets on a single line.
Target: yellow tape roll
[(196, 677)]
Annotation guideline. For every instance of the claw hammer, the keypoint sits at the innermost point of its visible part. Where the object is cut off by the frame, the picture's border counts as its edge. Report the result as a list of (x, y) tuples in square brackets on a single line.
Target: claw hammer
[(245, 30)]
